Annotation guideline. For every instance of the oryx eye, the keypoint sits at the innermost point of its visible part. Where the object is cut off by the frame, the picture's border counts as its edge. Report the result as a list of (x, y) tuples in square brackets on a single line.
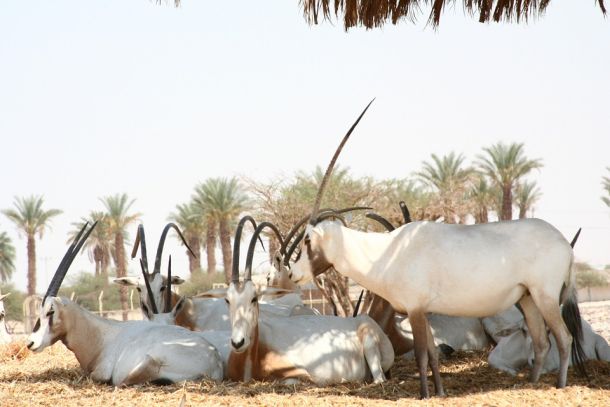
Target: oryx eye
[(50, 313), (139, 289), (227, 301), (254, 300), (162, 288)]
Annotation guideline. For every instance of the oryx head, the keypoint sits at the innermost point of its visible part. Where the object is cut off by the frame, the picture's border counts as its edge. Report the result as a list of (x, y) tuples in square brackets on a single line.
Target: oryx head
[(153, 286), (242, 297), (50, 325), (313, 260)]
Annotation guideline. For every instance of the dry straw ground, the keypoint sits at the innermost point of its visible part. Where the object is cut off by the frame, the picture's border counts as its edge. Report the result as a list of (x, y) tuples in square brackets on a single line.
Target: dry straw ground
[(53, 378)]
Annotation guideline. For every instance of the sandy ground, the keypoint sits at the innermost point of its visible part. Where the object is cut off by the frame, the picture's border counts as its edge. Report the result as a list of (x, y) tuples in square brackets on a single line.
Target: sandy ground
[(53, 378)]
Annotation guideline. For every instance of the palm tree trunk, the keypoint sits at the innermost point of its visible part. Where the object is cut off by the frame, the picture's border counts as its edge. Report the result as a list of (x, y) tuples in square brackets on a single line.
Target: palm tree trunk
[(121, 271), (225, 245), (31, 265), (522, 212), (194, 261), (97, 258), (507, 202), (210, 239)]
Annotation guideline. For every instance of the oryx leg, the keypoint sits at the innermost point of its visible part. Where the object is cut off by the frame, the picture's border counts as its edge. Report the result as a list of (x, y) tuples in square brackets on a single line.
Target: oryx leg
[(433, 361), (145, 371), (537, 330), (419, 324), (549, 308), (372, 354)]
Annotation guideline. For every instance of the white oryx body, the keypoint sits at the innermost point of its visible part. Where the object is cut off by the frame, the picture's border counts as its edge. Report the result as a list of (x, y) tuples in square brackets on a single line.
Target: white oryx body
[(5, 336), (125, 353), (320, 349), (515, 351), (458, 270)]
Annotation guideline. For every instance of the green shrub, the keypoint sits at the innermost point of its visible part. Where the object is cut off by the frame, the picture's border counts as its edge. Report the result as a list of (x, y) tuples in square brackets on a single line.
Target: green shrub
[(13, 303), (590, 278), (87, 287), (200, 282)]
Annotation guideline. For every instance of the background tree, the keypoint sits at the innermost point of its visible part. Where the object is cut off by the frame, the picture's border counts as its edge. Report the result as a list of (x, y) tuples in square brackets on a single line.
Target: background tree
[(450, 179), (7, 257), (118, 218), (505, 165), (606, 186), (31, 219), (482, 196), (100, 244), (220, 201), (527, 194), (192, 223)]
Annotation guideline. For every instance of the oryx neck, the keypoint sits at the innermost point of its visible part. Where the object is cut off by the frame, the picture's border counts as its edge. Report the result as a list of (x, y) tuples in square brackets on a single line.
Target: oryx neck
[(353, 253), (85, 334)]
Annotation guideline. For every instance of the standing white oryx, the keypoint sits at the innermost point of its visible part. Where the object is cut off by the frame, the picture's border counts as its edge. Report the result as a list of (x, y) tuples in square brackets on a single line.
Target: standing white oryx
[(121, 353), (321, 349), (5, 336), (460, 270)]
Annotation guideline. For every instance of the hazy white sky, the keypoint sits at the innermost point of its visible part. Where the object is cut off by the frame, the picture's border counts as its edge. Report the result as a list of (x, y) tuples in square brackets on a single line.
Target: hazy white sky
[(102, 97)]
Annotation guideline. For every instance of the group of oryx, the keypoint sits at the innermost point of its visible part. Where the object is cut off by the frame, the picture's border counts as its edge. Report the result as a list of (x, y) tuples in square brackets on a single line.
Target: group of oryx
[(246, 332)]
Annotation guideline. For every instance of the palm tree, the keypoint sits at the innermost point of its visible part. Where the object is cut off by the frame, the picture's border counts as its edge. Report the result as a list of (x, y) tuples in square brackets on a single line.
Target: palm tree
[(450, 179), (506, 165), (31, 219), (7, 257), (100, 243), (526, 195), (119, 218), (221, 200), (192, 223), (606, 185), (482, 196)]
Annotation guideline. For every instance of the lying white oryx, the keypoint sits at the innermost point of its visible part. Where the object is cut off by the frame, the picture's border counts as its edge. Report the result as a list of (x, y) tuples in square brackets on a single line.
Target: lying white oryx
[(515, 351), (459, 270), (321, 349), (121, 353), (199, 313), (5, 336)]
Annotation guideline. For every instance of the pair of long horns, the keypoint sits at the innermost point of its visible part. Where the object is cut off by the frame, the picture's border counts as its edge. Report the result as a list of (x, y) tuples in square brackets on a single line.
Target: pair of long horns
[(237, 245), (140, 243), (168, 296), (386, 223), (67, 260)]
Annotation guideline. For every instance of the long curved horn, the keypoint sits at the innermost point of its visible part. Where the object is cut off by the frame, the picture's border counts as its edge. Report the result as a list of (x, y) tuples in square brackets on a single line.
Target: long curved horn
[(257, 232), (168, 294), (386, 223), (304, 219), (575, 238), (166, 229), (140, 242), (67, 260), (148, 288), (316, 205), (237, 245), (405, 212)]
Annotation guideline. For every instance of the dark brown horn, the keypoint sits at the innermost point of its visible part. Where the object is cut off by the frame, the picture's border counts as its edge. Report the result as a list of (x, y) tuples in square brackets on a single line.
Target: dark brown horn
[(166, 229), (575, 238), (257, 232), (316, 205), (151, 299), (405, 212), (140, 243), (237, 245), (304, 219), (386, 223), (357, 307), (67, 260), (168, 294)]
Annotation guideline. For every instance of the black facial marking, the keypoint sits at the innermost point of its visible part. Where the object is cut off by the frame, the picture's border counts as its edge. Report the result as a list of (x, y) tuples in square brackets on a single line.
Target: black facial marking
[(37, 325), (227, 301), (254, 300)]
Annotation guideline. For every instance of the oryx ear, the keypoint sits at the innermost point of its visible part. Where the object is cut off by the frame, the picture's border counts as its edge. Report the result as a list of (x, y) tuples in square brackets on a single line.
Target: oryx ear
[(275, 291), (127, 281), (213, 293), (3, 296), (177, 280), (179, 306)]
